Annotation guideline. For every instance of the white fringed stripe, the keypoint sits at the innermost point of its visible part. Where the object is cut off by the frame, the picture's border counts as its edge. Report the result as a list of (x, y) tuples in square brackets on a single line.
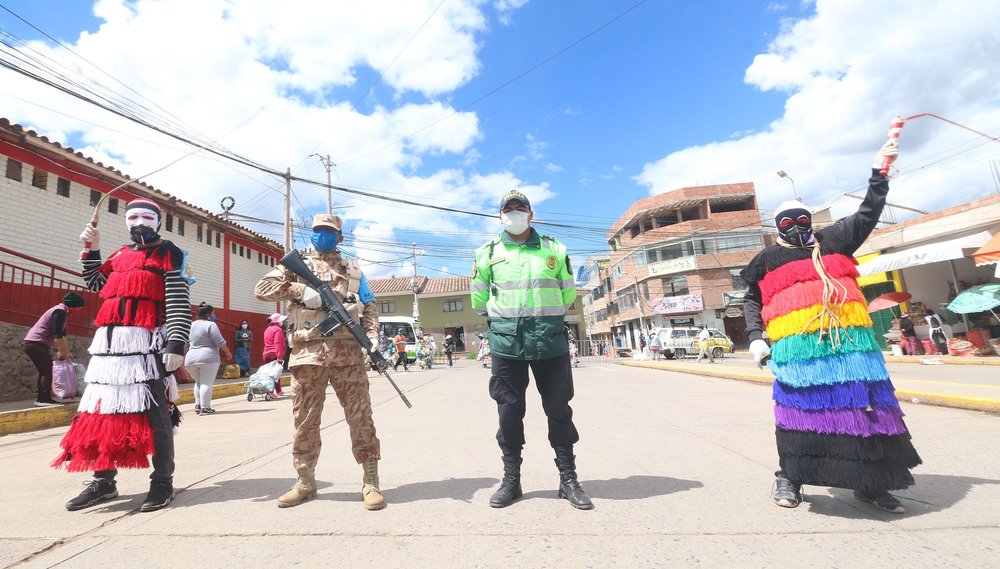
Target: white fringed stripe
[(126, 340), (172, 394), (114, 399), (122, 370)]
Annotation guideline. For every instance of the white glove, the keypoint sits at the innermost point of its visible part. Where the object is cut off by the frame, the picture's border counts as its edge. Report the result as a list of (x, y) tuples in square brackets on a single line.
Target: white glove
[(890, 151), (374, 342), (172, 361), (759, 350), (311, 299), (90, 235)]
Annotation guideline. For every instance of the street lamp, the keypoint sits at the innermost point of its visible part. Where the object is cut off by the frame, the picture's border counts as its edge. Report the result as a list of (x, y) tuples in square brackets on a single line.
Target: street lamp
[(782, 174)]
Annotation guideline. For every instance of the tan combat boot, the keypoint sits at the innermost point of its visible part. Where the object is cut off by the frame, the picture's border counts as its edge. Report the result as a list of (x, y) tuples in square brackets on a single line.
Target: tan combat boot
[(305, 488), (369, 491)]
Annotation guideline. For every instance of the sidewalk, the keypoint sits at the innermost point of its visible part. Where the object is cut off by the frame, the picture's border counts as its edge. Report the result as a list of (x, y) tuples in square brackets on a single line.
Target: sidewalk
[(961, 382)]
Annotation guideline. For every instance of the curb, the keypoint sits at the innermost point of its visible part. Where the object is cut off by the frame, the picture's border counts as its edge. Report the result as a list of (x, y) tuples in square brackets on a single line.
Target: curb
[(903, 395), (36, 418)]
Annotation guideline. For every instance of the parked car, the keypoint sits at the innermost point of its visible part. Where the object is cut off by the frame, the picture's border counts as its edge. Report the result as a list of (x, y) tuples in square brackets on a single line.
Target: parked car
[(680, 341)]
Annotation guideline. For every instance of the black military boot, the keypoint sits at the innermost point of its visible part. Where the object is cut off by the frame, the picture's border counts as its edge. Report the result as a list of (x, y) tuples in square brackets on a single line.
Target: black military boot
[(510, 486), (569, 488)]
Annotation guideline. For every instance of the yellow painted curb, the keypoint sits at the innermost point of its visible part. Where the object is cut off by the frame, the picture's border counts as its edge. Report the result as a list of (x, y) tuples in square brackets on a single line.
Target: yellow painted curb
[(903, 395), (36, 418)]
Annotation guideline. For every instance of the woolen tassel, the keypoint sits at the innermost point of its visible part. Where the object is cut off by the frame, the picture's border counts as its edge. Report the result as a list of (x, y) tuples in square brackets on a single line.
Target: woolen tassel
[(807, 294), (99, 398), (124, 340), (876, 447), (106, 442), (135, 283), (874, 476), (831, 370), (122, 370), (802, 270), (878, 421), (108, 313), (837, 396), (807, 320), (809, 346), (146, 314)]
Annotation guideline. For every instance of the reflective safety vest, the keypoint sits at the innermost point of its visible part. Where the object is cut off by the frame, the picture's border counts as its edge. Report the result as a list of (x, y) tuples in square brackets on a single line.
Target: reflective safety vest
[(524, 289)]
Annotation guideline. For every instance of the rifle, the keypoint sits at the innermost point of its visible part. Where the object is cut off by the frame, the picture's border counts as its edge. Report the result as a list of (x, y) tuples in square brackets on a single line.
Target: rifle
[(338, 316)]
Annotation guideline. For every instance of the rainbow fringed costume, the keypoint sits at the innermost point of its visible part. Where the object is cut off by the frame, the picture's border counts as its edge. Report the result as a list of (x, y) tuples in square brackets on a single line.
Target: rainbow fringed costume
[(838, 422)]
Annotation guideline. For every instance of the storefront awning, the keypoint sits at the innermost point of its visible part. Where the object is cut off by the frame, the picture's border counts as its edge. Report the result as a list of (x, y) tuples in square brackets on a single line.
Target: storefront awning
[(989, 253), (924, 254)]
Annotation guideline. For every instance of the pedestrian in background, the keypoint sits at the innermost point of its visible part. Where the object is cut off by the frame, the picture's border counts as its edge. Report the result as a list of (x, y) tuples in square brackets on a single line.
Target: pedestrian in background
[(208, 350), (937, 332), (654, 345), (705, 345), (336, 360), (519, 265), (243, 338), (399, 340), (49, 332), (909, 335), (449, 347), (275, 344)]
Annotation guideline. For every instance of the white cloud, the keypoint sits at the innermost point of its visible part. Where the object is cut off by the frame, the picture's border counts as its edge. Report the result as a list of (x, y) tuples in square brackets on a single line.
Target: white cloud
[(847, 71), (553, 168)]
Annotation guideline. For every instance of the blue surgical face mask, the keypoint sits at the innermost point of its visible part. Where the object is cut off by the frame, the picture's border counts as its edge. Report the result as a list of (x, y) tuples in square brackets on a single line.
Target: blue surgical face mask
[(325, 240), (212, 317)]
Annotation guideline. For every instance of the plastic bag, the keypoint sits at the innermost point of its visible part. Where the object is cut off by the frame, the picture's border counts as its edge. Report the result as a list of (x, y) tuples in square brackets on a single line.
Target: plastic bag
[(272, 369), (63, 379)]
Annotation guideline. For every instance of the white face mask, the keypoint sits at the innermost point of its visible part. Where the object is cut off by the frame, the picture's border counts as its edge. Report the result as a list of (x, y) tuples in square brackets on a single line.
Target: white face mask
[(514, 222)]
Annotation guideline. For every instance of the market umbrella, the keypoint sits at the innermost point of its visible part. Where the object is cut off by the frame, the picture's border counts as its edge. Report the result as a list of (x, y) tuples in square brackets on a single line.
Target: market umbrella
[(989, 253), (980, 298), (888, 300)]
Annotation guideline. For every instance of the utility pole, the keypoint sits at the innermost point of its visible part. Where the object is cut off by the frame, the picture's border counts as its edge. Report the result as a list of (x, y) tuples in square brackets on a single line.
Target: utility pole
[(288, 210), (413, 282), (638, 303), (328, 164)]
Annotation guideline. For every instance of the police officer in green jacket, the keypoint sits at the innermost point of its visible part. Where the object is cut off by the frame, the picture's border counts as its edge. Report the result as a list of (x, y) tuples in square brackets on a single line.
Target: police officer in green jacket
[(522, 282)]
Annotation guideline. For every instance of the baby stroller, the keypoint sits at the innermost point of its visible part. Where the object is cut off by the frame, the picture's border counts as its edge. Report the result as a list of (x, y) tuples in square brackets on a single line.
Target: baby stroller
[(261, 383)]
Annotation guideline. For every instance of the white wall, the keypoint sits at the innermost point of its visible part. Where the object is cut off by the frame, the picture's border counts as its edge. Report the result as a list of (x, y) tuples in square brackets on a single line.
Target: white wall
[(42, 224)]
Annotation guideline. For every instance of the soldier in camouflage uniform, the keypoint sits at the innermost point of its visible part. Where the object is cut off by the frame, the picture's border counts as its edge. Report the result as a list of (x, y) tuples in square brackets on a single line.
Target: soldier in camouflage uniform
[(337, 359)]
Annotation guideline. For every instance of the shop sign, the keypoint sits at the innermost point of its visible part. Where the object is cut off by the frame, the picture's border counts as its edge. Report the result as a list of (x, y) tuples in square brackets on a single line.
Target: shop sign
[(734, 312), (683, 304), (672, 266)]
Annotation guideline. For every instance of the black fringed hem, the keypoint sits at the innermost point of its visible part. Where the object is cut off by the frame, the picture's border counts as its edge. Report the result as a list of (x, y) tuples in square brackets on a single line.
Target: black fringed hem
[(876, 463), (847, 447)]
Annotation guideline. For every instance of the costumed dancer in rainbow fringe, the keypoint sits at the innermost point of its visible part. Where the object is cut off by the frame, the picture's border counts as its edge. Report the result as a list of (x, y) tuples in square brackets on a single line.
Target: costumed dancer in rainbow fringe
[(127, 411), (838, 422)]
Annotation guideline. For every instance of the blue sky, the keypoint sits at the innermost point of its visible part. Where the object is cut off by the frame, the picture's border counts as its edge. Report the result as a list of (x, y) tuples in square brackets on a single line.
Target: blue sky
[(586, 106)]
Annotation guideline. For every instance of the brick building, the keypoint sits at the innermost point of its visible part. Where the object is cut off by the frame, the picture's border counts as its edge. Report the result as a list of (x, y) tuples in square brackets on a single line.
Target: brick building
[(49, 192), (675, 260)]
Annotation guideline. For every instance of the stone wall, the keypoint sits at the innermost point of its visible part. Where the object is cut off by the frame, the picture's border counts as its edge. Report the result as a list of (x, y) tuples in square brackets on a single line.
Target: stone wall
[(20, 378)]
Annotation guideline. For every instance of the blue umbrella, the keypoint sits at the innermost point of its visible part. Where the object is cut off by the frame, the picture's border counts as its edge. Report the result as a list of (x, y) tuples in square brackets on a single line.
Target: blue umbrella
[(979, 298)]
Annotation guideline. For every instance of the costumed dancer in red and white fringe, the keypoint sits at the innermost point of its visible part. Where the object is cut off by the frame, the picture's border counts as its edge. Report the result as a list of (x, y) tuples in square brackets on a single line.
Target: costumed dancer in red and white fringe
[(127, 411)]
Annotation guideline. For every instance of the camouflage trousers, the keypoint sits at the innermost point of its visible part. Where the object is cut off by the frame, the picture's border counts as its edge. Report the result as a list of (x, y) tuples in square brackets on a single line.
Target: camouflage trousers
[(350, 383)]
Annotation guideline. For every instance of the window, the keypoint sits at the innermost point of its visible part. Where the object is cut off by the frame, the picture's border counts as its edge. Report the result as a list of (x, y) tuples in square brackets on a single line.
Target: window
[(232, 245), (452, 305), (113, 205), (739, 242), (170, 223), (674, 286), (218, 240), (386, 306), (180, 227), (208, 235), (738, 282), (241, 250), (13, 170), (95, 196), (271, 259), (62, 187), (40, 178), (198, 234), (634, 231), (260, 257)]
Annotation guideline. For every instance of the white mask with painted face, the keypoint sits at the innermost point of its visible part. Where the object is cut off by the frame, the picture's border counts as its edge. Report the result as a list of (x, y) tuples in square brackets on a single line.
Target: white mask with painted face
[(515, 222), (142, 224)]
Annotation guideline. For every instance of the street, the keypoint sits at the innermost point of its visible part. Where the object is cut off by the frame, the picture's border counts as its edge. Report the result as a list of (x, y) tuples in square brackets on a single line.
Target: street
[(679, 468)]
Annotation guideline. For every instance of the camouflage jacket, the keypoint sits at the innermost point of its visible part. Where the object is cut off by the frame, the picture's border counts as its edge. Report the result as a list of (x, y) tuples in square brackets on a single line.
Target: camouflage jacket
[(308, 346)]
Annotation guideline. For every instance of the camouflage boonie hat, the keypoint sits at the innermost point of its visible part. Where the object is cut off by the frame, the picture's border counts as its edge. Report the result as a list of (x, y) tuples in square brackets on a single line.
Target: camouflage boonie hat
[(327, 220)]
